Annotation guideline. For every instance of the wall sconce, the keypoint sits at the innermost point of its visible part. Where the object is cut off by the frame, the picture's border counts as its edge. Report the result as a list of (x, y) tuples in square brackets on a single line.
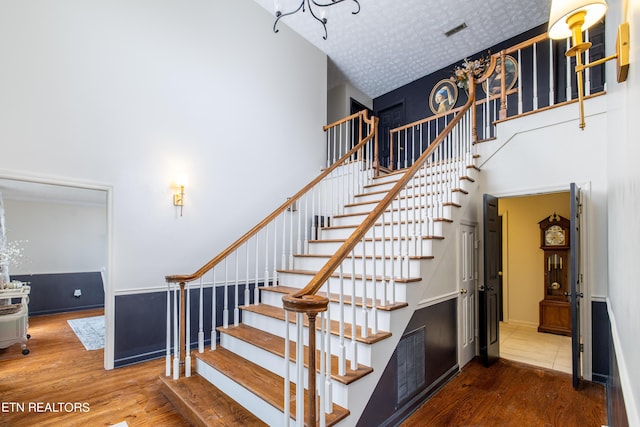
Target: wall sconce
[(570, 18), (178, 197)]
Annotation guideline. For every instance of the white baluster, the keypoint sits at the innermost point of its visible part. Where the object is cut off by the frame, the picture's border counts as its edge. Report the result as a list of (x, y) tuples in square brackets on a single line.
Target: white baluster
[(535, 76), (374, 304), (299, 370), (568, 67), (519, 81), (201, 319), (187, 344), (176, 337), (168, 349), (342, 352), (323, 367), (551, 74), (247, 291), (225, 310), (365, 311), (256, 288), (287, 362), (354, 346), (236, 310), (214, 311), (587, 71)]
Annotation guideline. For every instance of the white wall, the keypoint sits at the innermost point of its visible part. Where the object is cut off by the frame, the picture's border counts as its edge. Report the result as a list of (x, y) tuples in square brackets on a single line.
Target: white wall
[(624, 205), (339, 101), (545, 152), (129, 94), (57, 237)]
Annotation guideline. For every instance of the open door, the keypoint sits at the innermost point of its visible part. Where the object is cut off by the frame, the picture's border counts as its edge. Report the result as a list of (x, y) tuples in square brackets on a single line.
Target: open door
[(489, 310), (575, 293)]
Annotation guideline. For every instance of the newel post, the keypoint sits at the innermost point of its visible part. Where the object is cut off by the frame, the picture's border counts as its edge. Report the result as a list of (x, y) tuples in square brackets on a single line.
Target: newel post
[(310, 305), (503, 87), (474, 112)]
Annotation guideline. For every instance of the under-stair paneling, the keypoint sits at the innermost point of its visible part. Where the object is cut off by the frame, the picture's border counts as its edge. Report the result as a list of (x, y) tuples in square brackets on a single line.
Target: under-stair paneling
[(428, 345)]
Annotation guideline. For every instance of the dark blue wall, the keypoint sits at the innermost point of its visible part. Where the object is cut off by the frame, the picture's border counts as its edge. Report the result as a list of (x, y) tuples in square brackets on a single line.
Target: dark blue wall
[(141, 319), (53, 293), (438, 324), (600, 336)]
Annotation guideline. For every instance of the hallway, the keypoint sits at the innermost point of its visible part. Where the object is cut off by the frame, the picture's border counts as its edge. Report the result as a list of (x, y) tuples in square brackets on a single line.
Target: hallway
[(525, 344)]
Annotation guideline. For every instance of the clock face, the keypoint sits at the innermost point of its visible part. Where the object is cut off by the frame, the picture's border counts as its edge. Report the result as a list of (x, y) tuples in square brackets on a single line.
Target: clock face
[(554, 236)]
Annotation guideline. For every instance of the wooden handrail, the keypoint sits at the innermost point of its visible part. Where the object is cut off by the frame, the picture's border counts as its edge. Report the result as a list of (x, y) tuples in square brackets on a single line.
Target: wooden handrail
[(426, 120), (235, 245), (298, 300)]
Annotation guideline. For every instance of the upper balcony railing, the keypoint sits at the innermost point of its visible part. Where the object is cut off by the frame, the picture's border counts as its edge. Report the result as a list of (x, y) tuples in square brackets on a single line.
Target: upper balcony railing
[(537, 76)]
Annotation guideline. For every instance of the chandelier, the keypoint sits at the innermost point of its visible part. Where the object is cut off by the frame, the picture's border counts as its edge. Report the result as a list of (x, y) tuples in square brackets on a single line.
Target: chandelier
[(318, 13)]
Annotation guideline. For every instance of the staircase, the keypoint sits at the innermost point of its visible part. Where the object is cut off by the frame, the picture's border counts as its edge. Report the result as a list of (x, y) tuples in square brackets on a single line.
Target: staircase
[(252, 376)]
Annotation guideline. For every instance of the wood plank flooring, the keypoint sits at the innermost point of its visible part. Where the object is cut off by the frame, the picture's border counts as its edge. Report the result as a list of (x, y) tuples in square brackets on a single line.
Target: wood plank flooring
[(59, 369), (61, 373), (512, 394)]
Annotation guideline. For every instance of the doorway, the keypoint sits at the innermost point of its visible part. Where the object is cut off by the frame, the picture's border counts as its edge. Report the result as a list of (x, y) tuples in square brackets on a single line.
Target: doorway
[(62, 230), (523, 282)]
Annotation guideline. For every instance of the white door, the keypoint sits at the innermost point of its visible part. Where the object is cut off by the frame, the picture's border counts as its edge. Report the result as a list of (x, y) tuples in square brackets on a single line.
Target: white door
[(467, 278)]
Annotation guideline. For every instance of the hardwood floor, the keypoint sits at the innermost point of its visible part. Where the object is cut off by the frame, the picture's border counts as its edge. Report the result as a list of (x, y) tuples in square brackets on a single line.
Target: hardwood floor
[(512, 394), (59, 373)]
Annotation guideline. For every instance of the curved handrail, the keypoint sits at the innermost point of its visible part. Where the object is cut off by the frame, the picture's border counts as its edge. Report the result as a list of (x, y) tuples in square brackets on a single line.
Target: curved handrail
[(235, 245), (298, 301)]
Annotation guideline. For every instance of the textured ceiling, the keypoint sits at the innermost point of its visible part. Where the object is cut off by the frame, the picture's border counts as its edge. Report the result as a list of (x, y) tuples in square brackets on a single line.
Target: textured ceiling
[(393, 42)]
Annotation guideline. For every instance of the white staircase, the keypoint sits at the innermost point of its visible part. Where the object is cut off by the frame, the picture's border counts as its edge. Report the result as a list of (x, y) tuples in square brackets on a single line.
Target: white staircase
[(251, 347)]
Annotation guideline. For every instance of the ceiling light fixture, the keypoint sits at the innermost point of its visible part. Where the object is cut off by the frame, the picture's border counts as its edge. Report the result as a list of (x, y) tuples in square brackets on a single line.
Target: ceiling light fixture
[(310, 4), (570, 18)]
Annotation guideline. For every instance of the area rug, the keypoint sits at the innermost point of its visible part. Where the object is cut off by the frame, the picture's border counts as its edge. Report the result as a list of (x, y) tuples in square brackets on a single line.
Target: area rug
[(90, 331)]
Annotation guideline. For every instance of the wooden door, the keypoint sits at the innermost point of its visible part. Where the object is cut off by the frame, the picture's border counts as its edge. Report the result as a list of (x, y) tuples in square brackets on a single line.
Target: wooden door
[(575, 292), (489, 315), (467, 276)]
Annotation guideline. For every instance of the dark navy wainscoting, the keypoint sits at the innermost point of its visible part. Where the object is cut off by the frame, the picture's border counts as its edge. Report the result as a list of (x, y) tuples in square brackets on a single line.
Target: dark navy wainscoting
[(141, 319), (435, 327), (53, 293), (600, 337), (616, 408)]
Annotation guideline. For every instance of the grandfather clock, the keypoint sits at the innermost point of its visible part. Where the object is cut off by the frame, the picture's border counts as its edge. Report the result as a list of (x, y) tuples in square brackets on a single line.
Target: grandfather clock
[(555, 310)]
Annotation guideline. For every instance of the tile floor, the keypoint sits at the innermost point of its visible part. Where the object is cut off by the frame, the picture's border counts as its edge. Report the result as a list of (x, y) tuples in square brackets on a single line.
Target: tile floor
[(525, 344)]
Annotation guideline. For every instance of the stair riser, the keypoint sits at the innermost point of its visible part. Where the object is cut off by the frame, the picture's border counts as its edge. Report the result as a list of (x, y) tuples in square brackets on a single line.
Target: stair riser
[(445, 193), (330, 247), (412, 190), (277, 327), (316, 263), (402, 204), (301, 280), (275, 364), (439, 209), (244, 397), (429, 228)]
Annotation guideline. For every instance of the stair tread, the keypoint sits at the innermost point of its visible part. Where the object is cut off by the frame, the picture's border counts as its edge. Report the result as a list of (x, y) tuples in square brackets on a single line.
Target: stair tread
[(333, 297), (203, 404), (260, 381), (275, 344), (279, 313), (358, 276)]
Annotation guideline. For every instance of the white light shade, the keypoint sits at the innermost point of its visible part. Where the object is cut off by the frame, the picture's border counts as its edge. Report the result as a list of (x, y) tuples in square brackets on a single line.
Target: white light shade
[(562, 9)]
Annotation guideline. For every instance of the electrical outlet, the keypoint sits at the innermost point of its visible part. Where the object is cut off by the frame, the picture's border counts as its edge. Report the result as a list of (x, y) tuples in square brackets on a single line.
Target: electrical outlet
[(77, 293)]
